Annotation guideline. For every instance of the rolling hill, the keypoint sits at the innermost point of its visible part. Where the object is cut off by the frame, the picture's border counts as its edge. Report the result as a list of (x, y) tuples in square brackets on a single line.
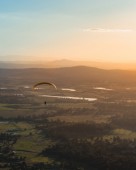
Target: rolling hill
[(67, 75), (66, 63)]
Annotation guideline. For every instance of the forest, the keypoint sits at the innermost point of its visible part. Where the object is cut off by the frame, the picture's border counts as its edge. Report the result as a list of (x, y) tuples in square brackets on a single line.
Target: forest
[(39, 130)]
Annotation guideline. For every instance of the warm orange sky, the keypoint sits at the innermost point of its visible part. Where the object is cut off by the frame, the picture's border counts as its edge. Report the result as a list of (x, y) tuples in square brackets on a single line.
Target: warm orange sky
[(100, 30)]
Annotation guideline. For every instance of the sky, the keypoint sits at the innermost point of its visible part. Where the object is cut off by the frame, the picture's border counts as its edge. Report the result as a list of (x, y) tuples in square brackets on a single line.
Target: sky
[(95, 30)]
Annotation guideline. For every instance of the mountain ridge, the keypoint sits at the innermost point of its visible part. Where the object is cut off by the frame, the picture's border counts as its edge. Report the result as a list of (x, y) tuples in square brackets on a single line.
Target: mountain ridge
[(68, 75), (66, 63)]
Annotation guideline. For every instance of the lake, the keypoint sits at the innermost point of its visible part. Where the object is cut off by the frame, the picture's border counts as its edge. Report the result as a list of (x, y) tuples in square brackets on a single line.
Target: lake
[(70, 97)]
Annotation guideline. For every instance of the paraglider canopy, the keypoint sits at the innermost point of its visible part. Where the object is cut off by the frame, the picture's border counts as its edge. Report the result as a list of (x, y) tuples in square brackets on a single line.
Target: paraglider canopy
[(44, 83)]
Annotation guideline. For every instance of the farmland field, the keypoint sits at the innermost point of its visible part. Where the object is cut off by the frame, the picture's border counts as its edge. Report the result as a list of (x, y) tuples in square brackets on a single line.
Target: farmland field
[(41, 127)]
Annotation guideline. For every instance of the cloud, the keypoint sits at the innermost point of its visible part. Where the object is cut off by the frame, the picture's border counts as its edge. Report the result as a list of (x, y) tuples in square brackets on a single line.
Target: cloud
[(102, 30)]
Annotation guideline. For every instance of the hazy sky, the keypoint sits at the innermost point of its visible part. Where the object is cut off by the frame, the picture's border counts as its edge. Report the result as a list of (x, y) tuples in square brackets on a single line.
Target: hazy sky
[(99, 30)]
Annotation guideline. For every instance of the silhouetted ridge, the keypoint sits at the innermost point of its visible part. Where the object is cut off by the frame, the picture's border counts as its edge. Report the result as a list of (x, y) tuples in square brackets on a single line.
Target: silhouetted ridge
[(68, 75)]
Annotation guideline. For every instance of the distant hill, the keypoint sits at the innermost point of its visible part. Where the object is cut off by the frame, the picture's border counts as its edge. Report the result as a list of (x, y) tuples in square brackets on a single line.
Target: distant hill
[(67, 76), (66, 63)]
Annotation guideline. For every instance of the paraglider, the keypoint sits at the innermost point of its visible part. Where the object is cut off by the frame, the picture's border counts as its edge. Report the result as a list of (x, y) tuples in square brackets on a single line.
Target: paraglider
[(44, 83)]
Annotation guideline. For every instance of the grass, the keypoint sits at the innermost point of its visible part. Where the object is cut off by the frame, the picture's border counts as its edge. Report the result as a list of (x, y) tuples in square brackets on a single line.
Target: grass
[(75, 105), (5, 127), (22, 127), (38, 159), (30, 144), (5, 107), (123, 133), (82, 118)]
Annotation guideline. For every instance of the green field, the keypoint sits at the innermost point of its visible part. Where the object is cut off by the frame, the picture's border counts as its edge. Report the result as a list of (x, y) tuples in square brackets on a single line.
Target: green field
[(30, 142)]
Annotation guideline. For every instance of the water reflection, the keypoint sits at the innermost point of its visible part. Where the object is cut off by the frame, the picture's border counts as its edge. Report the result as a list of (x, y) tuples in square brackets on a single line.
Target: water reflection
[(68, 89), (70, 97), (102, 88), (26, 87)]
